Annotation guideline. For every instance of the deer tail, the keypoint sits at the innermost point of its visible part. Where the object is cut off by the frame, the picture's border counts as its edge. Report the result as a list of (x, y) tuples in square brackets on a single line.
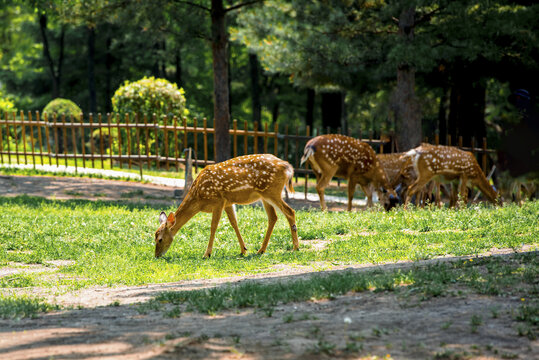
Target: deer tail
[(290, 175), (307, 153)]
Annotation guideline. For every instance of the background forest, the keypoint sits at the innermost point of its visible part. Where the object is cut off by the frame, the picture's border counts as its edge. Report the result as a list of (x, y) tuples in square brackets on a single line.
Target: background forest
[(412, 66)]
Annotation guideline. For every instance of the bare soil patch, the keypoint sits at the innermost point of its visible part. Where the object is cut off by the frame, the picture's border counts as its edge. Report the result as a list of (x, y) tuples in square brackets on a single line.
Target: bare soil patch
[(105, 323)]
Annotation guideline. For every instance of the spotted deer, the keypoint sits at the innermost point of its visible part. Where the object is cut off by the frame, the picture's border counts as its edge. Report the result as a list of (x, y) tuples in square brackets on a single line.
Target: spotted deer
[(344, 156), (241, 180), (450, 163)]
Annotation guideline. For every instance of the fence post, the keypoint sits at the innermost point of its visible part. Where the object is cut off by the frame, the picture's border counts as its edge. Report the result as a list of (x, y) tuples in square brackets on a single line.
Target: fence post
[(110, 138), (308, 130), (156, 134), (460, 141), (255, 146), (286, 142), (245, 138), (275, 139), (205, 140), (47, 137), (120, 140), (32, 139), (74, 141), (196, 143), (55, 138), (448, 137), (188, 171), (265, 138), (165, 118), (137, 135), (92, 148), (16, 137), (83, 147), (64, 137), (1, 143), (176, 154), (235, 137), (23, 130), (484, 156), (101, 146), (7, 138)]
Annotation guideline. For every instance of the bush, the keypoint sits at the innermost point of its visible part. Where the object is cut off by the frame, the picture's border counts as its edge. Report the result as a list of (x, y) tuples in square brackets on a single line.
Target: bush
[(6, 105), (61, 106), (150, 96)]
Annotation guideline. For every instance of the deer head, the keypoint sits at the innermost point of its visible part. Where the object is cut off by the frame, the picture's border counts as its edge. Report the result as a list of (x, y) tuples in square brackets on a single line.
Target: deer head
[(164, 234)]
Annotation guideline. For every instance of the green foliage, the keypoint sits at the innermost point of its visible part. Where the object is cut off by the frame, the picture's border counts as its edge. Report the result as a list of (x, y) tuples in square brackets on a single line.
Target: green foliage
[(6, 104), (61, 106), (16, 307), (150, 96)]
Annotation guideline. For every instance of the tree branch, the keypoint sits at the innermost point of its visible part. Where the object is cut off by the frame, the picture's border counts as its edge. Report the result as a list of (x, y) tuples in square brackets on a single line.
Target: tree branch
[(247, 3), (193, 4)]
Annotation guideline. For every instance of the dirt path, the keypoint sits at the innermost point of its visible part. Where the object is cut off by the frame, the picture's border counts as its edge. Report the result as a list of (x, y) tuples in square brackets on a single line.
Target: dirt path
[(105, 323), (355, 325)]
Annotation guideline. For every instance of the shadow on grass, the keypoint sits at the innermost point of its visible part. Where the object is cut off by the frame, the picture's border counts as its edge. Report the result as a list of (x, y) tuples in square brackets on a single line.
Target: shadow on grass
[(37, 202)]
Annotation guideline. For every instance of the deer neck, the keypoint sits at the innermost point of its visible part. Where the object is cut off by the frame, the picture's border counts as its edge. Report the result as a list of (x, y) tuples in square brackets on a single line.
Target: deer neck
[(187, 209)]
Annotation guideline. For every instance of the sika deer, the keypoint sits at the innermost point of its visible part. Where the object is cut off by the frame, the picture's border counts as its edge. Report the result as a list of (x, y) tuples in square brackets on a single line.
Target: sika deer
[(451, 163), (241, 180), (344, 156)]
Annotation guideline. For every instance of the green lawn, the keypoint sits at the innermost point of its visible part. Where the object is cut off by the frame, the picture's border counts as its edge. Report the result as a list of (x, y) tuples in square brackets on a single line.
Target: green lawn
[(111, 244)]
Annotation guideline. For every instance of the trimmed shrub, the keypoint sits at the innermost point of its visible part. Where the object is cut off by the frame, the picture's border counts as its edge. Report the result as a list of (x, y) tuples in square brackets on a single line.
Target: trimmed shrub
[(61, 106), (150, 96), (6, 105)]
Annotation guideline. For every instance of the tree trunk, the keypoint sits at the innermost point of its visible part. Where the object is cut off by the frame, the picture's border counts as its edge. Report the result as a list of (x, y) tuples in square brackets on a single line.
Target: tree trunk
[(255, 88), (91, 70), (55, 71), (109, 60), (405, 105), (309, 116), (331, 110), (442, 117), (178, 63), (221, 108), (467, 108)]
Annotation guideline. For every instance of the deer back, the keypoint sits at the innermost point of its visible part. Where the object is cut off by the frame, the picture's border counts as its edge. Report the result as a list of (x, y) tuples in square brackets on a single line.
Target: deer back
[(242, 179)]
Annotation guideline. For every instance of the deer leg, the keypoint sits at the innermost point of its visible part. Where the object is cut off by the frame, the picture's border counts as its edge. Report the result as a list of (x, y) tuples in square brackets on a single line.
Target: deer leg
[(463, 190), (418, 184), (351, 190), (272, 219), (367, 189), (234, 222), (291, 217), (216, 216), (322, 182)]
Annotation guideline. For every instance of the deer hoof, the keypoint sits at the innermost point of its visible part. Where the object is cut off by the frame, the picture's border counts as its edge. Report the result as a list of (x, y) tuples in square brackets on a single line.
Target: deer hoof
[(206, 256)]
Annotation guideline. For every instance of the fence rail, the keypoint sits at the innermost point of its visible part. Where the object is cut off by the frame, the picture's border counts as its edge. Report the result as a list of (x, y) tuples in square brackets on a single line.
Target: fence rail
[(144, 142)]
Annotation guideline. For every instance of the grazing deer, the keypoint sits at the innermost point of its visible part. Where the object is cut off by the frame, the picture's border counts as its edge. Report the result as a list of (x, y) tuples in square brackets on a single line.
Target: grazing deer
[(343, 156), (451, 163), (241, 180)]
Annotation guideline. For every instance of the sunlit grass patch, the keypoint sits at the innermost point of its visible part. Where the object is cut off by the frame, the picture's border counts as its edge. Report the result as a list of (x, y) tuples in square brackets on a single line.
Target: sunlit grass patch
[(106, 243)]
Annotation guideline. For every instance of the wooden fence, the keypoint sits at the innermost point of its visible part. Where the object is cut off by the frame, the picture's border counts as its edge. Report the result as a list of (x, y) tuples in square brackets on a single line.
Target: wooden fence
[(142, 142)]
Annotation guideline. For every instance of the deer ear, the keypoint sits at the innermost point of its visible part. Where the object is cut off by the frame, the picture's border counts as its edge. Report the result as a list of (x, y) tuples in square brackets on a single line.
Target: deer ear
[(162, 218), (171, 220)]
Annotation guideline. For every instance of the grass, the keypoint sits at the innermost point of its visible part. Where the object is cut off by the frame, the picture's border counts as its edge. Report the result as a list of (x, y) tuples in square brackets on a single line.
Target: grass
[(112, 244), (16, 307)]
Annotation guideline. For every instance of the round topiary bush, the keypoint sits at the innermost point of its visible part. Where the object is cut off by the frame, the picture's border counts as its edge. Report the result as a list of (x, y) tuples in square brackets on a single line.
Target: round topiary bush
[(6, 105), (61, 106), (150, 96)]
